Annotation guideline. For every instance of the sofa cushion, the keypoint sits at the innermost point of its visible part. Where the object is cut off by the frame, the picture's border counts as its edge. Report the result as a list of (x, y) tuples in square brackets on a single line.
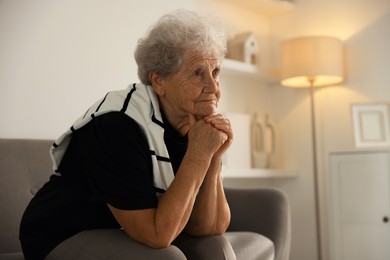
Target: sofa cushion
[(250, 245)]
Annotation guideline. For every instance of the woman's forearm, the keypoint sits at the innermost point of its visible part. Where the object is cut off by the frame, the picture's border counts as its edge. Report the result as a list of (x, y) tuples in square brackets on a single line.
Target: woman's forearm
[(211, 213), (158, 227)]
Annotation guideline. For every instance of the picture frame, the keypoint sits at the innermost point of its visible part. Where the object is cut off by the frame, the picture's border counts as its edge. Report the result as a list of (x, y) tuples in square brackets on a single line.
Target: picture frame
[(371, 125)]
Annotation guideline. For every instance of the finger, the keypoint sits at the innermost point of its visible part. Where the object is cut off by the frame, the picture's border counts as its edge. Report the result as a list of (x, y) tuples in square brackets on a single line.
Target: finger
[(225, 127), (220, 122), (211, 118)]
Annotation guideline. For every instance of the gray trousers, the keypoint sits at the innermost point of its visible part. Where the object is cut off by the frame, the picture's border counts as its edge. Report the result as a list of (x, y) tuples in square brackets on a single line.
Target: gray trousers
[(115, 244)]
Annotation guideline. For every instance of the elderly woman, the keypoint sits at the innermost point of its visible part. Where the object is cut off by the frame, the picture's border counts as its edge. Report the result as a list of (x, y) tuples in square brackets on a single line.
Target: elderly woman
[(144, 161)]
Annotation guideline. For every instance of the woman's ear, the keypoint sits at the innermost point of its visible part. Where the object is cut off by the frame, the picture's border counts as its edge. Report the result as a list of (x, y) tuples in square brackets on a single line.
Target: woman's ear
[(157, 83)]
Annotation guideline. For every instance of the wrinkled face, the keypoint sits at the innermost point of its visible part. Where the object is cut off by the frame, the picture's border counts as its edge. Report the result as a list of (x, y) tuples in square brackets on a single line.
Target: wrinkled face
[(194, 88)]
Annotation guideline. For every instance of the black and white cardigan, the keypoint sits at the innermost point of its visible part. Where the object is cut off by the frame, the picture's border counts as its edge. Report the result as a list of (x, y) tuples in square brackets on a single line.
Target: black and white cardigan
[(139, 102)]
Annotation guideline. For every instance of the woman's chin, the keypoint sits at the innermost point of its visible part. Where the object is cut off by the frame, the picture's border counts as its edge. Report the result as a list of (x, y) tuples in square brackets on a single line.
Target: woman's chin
[(205, 110)]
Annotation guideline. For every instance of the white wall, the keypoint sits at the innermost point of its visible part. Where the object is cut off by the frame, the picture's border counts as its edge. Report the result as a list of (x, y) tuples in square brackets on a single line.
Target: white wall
[(57, 57), (363, 26)]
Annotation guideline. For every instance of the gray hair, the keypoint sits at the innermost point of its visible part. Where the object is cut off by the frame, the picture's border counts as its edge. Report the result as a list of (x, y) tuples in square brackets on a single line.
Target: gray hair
[(162, 48)]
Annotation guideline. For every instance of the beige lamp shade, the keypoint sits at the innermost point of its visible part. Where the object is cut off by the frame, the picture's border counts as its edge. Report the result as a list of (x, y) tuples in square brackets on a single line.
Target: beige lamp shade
[(311, 61)]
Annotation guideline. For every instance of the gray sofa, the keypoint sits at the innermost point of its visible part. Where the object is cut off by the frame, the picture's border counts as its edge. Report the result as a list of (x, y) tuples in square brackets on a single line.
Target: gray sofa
[(25, 165)]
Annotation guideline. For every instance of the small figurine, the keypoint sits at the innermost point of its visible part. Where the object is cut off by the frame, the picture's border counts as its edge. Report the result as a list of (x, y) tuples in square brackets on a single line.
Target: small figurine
[(244, 47)]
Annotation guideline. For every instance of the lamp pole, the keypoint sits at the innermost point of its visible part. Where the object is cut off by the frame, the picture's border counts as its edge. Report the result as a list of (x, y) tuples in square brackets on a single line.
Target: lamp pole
[(315, 168)]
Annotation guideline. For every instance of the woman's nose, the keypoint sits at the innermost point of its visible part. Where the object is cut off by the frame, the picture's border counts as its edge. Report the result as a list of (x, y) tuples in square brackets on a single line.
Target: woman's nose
[(211, 84)]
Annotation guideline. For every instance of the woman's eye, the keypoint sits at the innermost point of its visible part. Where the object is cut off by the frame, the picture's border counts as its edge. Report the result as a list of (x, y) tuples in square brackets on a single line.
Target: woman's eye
[(216, 73), (198, 73)]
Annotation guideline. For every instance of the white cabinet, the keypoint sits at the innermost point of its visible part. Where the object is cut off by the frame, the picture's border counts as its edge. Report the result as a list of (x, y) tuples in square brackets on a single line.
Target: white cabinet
[(360, 198)]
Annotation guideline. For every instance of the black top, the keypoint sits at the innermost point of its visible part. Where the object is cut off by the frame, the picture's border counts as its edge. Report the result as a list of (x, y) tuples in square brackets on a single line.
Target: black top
[(107, 161)]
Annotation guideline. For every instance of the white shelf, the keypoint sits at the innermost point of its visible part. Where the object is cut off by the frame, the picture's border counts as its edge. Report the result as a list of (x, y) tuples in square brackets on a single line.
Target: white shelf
[(257, 173), (265, 7), (241, 69)]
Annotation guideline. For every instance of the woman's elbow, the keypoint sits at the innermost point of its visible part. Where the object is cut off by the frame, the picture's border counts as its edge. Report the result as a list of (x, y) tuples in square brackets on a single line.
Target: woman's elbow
[(158, 243), (208, 230), (222, 226), (152, 240)]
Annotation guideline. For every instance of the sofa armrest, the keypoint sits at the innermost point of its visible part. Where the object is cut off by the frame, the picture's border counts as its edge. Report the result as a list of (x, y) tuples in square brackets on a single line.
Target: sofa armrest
[(25, 166), (265, 211)]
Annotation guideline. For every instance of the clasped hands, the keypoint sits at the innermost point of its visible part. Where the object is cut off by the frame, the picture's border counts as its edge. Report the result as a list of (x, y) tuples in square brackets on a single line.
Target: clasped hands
[(211, 136)]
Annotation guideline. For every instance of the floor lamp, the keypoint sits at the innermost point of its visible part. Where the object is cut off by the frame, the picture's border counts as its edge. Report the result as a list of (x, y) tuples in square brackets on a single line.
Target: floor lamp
[(309, 62)]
